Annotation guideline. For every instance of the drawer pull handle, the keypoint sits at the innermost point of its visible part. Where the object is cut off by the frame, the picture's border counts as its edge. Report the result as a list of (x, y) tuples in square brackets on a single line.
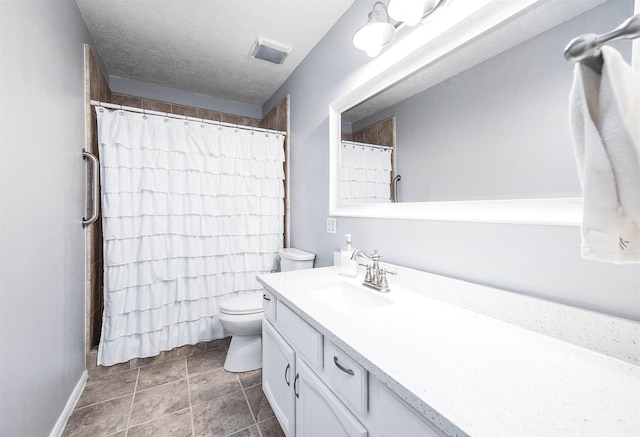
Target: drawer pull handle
[(286, 374), (268, 299), (341, 367), (295, 385)]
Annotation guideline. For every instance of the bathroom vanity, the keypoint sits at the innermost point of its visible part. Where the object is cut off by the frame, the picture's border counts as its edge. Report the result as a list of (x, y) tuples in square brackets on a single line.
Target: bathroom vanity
[(442, 357)]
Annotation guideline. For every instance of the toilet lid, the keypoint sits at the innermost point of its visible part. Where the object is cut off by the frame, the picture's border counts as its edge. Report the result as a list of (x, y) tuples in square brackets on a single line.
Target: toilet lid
[(245, 303)]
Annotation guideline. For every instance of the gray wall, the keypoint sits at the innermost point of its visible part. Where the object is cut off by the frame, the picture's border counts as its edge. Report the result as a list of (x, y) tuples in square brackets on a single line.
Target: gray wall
[(499, 130), (41, 194), (541, 261), (158, 92)]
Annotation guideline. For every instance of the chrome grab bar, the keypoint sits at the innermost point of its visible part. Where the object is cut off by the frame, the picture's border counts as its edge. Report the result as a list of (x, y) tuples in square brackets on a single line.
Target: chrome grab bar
[(96, 193), (395, 188)]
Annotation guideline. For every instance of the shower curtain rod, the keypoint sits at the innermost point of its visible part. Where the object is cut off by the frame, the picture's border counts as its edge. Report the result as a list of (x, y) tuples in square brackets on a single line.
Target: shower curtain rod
[(375, 146), (184, 117)]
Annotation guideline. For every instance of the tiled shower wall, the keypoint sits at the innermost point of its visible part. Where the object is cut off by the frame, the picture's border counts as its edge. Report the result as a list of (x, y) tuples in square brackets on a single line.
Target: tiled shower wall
[(98, 89), (382, 133), (278, 119), (189, 111)]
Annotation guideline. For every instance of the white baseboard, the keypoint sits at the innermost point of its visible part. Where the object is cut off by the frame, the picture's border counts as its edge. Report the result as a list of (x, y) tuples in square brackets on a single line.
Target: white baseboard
[(71, 404)]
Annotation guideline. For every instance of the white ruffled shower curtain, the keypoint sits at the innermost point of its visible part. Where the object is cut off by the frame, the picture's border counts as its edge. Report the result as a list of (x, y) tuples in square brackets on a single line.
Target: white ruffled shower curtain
[(191, 212), (365, 174)]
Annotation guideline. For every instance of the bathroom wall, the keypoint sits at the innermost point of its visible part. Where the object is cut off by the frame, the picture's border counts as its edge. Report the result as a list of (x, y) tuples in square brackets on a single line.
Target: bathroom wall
[(541, 261), (42, 183)]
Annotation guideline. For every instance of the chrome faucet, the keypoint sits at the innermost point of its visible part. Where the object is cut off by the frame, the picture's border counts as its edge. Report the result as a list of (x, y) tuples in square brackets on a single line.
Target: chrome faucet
[(375, 277)]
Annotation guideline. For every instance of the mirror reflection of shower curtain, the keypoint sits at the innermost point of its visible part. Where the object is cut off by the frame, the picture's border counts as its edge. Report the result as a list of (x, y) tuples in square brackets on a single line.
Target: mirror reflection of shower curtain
[(191, 212), (365, 174)]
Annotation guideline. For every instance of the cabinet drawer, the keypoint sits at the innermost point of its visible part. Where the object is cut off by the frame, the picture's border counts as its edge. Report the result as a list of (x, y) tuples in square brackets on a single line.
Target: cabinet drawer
[(302, 336), (269, 306), (346, 378)]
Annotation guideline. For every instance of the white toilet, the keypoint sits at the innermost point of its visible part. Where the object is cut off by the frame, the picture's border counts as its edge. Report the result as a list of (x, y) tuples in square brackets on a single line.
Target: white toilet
[(241, 316)]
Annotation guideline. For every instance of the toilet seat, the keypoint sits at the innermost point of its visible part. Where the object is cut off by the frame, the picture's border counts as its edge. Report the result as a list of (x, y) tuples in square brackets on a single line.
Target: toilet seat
[(240, 304)]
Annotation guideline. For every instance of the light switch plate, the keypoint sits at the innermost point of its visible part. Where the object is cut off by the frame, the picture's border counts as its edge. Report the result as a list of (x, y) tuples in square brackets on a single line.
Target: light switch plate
[(331, 225)]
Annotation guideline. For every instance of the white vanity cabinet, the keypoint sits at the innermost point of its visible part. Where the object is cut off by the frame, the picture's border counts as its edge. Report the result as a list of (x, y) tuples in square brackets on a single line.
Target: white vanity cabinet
[(316, 389), (291, 359)]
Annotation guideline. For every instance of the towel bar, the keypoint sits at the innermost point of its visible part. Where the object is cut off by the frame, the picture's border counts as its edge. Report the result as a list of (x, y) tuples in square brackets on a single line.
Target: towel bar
[(588, 45)]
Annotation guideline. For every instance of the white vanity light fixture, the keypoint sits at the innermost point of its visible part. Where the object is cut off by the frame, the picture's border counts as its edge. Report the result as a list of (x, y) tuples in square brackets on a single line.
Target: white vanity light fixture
[(376, 34), (410, 12)]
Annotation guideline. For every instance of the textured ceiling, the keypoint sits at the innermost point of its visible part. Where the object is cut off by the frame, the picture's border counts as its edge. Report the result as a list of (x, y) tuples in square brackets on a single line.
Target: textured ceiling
[(202, 46)]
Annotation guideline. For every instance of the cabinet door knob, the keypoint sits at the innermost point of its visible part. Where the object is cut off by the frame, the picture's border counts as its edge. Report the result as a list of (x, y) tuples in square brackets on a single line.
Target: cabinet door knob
[(295, 385), (286, 371), (341, 367), (268, 299)]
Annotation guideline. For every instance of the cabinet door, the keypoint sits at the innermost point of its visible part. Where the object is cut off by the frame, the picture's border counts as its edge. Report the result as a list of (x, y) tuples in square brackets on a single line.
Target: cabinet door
[(392, 417), (278, 372), (318, 412)]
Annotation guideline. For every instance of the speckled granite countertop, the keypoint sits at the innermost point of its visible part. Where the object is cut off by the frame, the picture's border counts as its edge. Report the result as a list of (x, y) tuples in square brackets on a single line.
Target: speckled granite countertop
[(471, 372)]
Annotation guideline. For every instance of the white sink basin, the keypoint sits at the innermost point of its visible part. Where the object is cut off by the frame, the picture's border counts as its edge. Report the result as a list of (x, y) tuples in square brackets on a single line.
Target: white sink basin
[(349, 298)]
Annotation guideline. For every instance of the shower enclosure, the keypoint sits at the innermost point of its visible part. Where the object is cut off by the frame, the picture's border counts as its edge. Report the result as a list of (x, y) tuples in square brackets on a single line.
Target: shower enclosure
[(97, 89)]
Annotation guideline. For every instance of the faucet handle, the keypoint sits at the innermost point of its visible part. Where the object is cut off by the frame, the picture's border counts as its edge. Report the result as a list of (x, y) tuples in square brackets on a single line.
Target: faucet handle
[(382, 281), (383, 284), (367, 275)]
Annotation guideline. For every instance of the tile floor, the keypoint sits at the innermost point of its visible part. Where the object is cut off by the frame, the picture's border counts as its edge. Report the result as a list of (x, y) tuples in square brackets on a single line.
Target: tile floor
[(186, 396)]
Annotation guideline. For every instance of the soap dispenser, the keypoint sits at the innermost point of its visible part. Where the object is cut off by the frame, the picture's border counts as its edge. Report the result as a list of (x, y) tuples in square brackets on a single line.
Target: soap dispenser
[(348, 267)]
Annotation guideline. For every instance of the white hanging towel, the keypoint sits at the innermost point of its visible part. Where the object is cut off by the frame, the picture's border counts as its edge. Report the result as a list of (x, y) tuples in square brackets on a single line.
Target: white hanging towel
[(605, 125)]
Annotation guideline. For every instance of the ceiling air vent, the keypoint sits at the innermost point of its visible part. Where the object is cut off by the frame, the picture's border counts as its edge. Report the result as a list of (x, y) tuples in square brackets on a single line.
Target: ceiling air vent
[(269, 50)]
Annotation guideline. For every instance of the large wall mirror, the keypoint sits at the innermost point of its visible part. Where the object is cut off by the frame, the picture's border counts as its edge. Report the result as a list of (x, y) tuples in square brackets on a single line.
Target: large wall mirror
[(472, 124)]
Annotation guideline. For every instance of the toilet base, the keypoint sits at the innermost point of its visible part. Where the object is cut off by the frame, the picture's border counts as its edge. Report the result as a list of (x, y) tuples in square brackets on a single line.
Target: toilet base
[(245, 353)]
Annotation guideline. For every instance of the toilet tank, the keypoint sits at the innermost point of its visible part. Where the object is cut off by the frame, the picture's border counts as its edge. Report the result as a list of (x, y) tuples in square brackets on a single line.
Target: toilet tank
[(295, 259)]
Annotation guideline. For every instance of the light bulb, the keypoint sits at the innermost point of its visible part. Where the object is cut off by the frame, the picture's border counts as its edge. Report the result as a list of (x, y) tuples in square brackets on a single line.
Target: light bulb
[(373, 36), (372, 51), (409, 12)]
